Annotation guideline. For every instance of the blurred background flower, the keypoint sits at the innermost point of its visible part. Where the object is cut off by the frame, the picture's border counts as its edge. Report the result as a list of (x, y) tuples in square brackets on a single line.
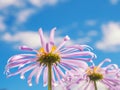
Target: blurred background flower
[(95, 77)]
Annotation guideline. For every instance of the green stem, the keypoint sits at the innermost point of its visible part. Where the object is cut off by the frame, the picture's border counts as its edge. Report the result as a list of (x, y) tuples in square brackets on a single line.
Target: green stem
[(49, 76), (95, 84)]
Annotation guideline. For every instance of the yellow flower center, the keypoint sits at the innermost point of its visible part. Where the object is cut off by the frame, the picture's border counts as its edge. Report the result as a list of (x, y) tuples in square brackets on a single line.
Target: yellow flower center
[(46, 58), (94, 74)]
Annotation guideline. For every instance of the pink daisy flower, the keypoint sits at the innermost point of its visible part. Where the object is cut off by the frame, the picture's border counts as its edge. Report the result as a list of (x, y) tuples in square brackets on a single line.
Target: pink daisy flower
[(94, 78), (50, 60)]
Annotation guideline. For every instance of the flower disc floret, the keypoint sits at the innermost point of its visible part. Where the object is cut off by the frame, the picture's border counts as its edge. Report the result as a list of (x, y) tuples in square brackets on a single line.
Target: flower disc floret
[(95, 76), (49, 58)]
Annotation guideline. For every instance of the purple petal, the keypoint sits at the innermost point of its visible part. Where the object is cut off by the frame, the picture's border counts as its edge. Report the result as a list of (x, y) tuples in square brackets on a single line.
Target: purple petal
[(86, 85), (30, 67), (112, 80), (59, 71), (45, 76), (81, 47), (67, 65), (66, 38), (106, 60), (91, 86), (57, 74), (43, 43), (107, 83), (74, 54), (13, 65), (27, 48), (112, 66), (20, 57), (53, 77), (39, 73), (34, 72), (64, 68), (47, 47), (80, 64), (24, 61), (52, 36)]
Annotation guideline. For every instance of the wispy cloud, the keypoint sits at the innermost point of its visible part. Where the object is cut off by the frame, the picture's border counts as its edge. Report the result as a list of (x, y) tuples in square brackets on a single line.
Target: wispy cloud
[(23, 3), (114, 2), (21, 10), (92, 33), (7, 3), (2, 24), (111, 37), (41, 3), (23, 15), (90, 22), (85, 38), (22, 38)]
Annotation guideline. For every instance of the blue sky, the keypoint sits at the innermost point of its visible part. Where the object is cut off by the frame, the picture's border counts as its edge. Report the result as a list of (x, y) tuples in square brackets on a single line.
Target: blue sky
[(92, 22)]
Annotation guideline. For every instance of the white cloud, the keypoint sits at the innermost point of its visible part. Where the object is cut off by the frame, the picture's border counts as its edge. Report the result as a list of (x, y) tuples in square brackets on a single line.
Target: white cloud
[(2, 24), (21, 10), (111, 37), (83, 40), (114, 2), (23, 3), (41, 3), (23, 15), (30, 39), (23, 38), (90, 22), (7, 3), (92, 33)]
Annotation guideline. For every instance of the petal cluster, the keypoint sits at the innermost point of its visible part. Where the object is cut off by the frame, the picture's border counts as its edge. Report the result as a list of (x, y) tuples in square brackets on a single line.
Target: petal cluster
[(81, 80), (62, 58)]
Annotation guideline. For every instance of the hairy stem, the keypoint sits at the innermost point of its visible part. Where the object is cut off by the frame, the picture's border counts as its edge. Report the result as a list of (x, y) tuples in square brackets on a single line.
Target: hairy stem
[(49, 76)]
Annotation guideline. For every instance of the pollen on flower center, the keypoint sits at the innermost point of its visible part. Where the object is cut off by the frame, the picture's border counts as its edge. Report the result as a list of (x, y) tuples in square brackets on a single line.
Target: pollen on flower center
[(48, 58), (94, 75)]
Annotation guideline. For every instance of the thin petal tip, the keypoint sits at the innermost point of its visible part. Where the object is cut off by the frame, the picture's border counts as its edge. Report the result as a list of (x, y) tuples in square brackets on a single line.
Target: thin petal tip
[(40, 30), (30, 84), (54, 28), (22, 77), (108, 60), (66, 38)]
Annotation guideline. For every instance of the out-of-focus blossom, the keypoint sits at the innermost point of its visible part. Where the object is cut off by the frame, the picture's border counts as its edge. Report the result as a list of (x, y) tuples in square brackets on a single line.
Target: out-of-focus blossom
[(61, 59), (94, 78)]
